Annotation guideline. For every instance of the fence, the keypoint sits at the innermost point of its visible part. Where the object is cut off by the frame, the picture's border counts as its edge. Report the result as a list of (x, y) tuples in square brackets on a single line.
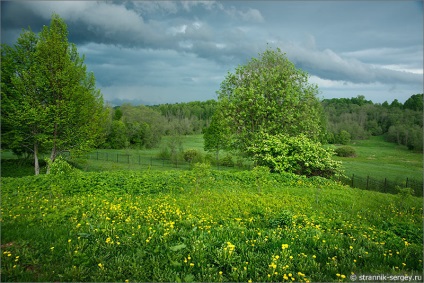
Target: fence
[(140, 160), (383, 185)]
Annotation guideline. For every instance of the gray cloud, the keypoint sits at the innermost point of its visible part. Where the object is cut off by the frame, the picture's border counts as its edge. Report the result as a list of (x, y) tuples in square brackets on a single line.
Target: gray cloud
[(177, 45)]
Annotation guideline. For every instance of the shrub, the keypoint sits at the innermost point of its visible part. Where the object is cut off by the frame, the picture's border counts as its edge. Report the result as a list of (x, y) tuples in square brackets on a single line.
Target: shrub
[(299, 155), (164, 153), (59, 166), (227, 160), (193, 156), (345, 151), (344, 137)]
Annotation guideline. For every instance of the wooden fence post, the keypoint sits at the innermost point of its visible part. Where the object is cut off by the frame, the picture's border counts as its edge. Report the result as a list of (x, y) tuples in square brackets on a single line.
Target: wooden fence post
[(385, 185)]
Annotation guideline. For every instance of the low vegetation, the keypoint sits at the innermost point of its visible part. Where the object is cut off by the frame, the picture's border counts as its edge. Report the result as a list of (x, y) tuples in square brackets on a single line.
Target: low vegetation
[(345, 151), (203, 225)]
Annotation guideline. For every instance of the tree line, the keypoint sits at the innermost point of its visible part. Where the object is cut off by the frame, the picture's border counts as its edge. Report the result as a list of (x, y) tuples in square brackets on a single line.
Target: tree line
[(346, 119), (358, 118), (143, 126)]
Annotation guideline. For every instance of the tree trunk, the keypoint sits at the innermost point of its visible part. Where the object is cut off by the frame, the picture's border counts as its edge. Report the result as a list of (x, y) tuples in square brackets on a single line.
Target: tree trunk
[(36, 164), (52, 158), (54, 149)]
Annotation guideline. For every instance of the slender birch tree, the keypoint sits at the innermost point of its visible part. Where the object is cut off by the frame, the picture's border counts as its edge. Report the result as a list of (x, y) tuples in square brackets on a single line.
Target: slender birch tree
[(49, 100)]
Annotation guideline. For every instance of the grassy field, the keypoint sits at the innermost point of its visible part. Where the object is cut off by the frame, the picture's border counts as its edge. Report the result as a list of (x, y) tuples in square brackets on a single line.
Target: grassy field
[(375, 158), (379, 159), (204, 225)]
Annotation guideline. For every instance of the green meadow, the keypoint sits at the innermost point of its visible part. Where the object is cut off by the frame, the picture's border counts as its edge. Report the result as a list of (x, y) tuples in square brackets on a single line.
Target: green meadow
[(204, 225), (380, 159)]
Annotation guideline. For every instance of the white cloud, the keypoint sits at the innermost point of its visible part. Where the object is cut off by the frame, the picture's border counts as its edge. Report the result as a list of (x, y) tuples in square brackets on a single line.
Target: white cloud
[(176, 30), (250, 15)]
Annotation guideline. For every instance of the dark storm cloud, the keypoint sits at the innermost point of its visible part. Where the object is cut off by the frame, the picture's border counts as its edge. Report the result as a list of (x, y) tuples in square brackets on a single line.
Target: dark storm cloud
[(174, 45)]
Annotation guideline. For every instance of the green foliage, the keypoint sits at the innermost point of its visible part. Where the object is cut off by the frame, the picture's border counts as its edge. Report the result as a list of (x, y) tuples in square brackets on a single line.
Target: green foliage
[(268, 94), (282, 219), (117, 137), (101, 227), (343, 137), (227, 160), (216, 136), (49, 100), (60, 166), (193, 156), (415, 102), (402, 124), (345, 151), (187, 118), (300, 155)]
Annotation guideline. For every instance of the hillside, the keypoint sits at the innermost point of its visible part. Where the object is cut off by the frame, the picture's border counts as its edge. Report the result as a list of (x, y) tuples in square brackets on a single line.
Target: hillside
[(203, 225)]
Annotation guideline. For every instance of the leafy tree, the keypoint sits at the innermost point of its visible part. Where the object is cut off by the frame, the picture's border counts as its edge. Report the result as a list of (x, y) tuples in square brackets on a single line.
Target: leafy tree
[(415, 102), (269, 95), (117, 137), (49, 101), (396, 104), (344, 137), (216, 135)]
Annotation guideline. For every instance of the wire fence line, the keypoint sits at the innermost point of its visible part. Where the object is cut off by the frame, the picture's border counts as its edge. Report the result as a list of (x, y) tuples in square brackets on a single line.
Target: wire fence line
[(383, 185), (367, 183), (163, 162)]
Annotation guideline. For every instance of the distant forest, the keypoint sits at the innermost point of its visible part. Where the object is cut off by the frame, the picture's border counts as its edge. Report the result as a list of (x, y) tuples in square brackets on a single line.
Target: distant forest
[(347, 119)]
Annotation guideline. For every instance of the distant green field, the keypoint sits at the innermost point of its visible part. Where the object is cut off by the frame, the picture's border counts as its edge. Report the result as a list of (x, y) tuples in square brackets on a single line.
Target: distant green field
[(380, 159)]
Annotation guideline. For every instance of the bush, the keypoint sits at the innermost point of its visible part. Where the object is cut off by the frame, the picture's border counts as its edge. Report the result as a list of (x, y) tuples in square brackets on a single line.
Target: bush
[(59, 166), (345, 151), (227, 160), (193, 156), (164, 153), (299, 155), (343, 137)]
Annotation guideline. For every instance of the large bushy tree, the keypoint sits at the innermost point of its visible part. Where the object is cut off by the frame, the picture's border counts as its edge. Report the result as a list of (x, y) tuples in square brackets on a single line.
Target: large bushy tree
[(269, 95), (49, 100)]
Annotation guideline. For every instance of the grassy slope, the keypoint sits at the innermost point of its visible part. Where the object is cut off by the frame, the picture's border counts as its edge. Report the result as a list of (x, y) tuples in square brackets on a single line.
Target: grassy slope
[(203, 226)]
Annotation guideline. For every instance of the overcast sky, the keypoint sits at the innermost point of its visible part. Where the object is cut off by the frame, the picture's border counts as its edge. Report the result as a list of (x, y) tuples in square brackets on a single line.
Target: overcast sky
[(179, 51)]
